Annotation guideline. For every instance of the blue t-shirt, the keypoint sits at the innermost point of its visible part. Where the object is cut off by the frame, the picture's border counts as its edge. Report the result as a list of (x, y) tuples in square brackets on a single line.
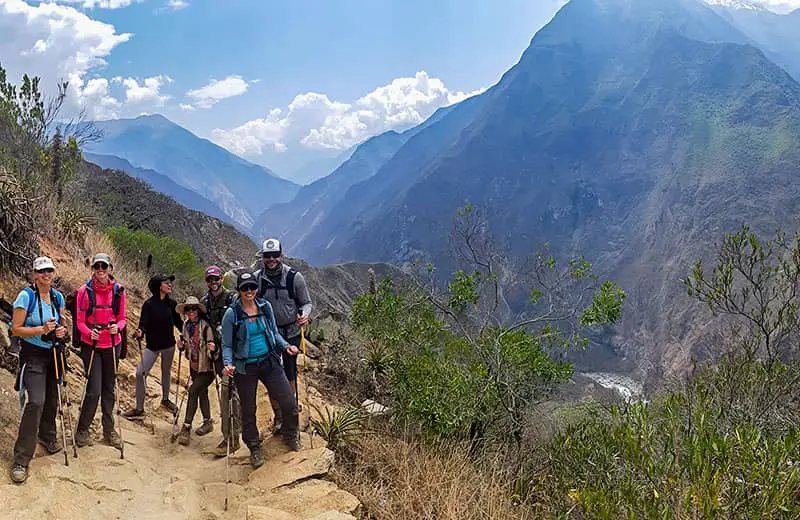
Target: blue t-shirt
[(33, 319), (257, 339)]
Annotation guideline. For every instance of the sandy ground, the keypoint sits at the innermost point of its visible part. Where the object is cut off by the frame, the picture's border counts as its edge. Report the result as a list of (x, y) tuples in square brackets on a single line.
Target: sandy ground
[(158, 479)]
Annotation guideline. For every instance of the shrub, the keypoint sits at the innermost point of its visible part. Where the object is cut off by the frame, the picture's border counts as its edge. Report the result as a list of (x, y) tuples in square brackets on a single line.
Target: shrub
[(169, 254)]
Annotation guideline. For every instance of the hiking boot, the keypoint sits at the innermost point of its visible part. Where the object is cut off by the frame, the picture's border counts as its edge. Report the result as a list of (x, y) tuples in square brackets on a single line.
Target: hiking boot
[(134, 414), (222, 448), (169, 405), (185, 433), (112, 438), (19, 473), (277, 426), (205, 428), (293, 442), (52, 447), (256, 458), (82, 438)]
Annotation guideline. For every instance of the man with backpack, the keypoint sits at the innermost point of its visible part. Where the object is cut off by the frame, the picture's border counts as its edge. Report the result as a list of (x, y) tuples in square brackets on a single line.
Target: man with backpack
[(216, 301), (285, 289), (100, 321), (36, 321)]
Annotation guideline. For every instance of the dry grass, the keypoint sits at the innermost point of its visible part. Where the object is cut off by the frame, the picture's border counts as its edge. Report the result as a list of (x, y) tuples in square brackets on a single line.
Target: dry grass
[(399, 479)]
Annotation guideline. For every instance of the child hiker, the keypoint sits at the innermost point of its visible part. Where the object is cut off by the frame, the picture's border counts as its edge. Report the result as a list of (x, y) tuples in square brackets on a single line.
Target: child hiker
[(197, 344)]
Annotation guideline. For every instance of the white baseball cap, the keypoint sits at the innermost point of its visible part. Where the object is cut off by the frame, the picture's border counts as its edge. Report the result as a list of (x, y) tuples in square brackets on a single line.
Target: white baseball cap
[(43, 262), (271, 245)]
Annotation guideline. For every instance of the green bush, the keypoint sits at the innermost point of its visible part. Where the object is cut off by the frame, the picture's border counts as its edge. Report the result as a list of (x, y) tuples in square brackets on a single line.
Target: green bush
[(682, 456), (169, 255)]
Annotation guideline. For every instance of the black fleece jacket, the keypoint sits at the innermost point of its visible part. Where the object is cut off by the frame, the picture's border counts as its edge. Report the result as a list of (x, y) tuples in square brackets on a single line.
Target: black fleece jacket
[(156, 322)]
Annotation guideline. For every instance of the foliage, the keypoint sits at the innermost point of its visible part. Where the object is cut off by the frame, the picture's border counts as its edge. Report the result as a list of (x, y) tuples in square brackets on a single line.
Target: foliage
[(450, 362), (17, 226), (756, 281), (169, 254), (339, 426), (683, 456)]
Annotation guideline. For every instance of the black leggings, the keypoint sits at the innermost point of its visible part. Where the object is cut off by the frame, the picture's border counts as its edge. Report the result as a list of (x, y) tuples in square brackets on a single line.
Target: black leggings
[(198, 391)]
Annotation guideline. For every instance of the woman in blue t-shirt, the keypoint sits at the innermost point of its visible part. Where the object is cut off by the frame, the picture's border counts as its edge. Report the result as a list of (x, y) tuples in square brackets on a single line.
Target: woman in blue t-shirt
[(37, 323)]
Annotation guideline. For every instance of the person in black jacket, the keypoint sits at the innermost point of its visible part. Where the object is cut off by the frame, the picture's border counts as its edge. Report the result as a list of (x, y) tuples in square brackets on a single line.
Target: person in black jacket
[(158, 317)]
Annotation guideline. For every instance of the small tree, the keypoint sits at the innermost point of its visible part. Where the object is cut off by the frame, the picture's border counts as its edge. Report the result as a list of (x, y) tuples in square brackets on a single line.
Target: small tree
[(756, 282), (461, 367)]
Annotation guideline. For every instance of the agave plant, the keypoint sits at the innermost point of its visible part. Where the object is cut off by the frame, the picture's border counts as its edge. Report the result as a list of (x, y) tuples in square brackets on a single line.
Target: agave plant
[(336, 427)]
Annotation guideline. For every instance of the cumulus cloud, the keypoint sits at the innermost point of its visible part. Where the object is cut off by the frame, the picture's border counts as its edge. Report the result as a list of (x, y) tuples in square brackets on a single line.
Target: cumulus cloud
[(315, 121), (217, 90), (58, 42), (149, 92)]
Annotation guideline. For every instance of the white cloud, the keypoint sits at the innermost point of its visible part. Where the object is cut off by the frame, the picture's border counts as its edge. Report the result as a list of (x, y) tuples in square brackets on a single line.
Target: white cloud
[(315, 121), (188, 108), (149, 92), (217, 90), (102, 4), (58, 42), (176, 5)]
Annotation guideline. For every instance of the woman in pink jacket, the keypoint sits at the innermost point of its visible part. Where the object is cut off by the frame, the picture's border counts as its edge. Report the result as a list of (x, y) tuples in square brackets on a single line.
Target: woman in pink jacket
[(100, 318)]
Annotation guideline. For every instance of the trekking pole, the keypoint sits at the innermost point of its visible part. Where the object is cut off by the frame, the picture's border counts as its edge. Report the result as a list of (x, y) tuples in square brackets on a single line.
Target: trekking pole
[(63, 358), (180, 405), (88, 374), (116, 392), (305, 379), (230, 434), (60, 407)]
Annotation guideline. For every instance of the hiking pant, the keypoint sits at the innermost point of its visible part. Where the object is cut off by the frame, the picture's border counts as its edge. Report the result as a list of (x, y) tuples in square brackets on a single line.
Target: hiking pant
[(100, 387), (41, 401), (148, 360), (198, 391), (270, 372), (226, 387)]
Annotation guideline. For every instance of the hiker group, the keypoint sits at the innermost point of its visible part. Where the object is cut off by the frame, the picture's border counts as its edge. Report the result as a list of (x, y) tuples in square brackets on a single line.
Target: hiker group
[(231, 339)]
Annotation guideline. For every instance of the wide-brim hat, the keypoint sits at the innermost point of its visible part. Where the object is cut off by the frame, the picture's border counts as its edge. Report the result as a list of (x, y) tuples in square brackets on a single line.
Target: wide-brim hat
[(190, 301)]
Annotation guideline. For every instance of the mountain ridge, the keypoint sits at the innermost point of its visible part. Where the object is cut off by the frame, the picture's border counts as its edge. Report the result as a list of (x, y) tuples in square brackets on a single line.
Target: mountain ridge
[(240, 188)]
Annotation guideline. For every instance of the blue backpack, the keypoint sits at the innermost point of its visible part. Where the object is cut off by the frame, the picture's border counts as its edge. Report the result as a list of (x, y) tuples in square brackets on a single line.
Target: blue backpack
[(33, 299)]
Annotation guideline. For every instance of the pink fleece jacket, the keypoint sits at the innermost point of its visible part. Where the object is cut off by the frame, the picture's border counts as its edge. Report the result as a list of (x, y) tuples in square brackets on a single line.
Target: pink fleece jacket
[(102, 314)]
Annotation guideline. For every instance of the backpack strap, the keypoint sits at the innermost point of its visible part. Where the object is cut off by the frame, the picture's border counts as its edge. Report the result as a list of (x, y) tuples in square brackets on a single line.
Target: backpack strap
[(290, 282)]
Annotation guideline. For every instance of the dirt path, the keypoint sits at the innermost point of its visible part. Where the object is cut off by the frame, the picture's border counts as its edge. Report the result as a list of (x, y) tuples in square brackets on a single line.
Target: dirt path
[(161, 480)]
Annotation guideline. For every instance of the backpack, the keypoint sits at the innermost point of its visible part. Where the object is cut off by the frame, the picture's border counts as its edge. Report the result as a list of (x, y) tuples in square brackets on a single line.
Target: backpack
[(230, 297), (116, 302), (33, 299), (289, 283)]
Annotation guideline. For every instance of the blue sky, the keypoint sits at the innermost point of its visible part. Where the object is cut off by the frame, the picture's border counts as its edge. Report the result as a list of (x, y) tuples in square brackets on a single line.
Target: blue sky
[(278, 82)]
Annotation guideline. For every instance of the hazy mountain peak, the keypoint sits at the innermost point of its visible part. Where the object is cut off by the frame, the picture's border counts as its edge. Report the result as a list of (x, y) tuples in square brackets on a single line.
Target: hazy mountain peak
[(737, 4)]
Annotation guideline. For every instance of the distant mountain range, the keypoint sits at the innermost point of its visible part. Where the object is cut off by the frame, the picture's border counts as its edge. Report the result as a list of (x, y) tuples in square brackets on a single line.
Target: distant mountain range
[(242, 190)]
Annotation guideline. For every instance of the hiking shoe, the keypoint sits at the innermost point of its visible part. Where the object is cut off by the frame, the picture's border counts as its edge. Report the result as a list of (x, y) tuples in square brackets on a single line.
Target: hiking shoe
[(183, 436), (169, 405), (206, 427), (256, 458), (112, 438), (293, 442), (52, 447), (222, 448), (19, 473), (134, 414), (82, 438)]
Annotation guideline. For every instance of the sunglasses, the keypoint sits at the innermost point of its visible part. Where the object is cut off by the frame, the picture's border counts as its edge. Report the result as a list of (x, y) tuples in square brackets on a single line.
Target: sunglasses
[(191, 309), (168, 282), (271, 255), (248, 288), (45, 270), (212, 279), (100, 266)]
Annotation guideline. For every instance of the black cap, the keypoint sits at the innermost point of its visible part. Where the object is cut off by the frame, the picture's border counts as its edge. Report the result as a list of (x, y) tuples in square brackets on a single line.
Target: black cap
[(161, 277), (245, 279)]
